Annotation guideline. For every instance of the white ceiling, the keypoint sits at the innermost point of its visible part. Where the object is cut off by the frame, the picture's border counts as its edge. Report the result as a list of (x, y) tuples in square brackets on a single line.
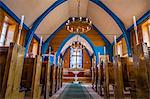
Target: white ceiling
[(124, 9)]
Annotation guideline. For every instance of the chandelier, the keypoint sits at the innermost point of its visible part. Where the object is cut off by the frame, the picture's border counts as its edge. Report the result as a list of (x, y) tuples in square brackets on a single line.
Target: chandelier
[(78, 24)]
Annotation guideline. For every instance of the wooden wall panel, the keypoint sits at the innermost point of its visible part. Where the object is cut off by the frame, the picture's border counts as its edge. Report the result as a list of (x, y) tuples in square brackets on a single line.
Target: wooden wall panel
[(67, 59), (62, 34), (95, 38)]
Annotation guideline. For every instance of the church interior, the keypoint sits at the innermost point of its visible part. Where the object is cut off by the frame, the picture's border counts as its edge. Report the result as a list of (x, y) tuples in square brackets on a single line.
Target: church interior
[(74, 49)]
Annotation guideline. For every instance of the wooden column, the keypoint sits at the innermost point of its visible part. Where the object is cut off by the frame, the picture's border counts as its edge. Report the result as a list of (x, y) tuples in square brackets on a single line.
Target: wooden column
[(118, 87), (13, 72), (106, 80), (141, 74)]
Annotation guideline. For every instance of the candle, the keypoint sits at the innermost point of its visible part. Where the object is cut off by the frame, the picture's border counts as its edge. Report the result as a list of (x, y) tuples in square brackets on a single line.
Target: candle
[(73, 18), (20, 28), (87, 19), (80, 18), (115, 41), (49, 50), (90, 22), (135, 29), (40, 45), (22, 20), (104, 50)]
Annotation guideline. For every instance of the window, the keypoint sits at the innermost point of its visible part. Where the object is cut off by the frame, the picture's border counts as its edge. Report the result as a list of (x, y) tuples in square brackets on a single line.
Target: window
[(75, 58), (119, 47), (146, 32), (3, 34)]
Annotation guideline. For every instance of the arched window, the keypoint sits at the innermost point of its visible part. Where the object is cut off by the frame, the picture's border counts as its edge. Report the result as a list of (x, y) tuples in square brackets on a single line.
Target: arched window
[(75, 58)]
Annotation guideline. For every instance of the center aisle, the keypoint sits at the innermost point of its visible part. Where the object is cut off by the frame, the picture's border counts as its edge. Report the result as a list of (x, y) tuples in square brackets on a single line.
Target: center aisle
[(75, 91)]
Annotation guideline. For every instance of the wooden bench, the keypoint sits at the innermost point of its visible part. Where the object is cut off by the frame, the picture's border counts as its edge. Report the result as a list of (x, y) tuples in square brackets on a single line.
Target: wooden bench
[(11, 65), (31, 77)]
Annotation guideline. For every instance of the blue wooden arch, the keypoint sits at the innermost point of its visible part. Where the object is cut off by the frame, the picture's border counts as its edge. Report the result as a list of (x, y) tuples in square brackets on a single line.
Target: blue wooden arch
[(68, 38), (119, 23), (57, 3)]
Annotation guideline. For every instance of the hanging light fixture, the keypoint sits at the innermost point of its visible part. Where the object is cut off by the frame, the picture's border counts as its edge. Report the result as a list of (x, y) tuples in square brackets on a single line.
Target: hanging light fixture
[(78, 25)]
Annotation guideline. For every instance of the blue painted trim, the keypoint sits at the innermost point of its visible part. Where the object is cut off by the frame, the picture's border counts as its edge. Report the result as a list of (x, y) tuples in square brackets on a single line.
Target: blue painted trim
[(139, 21), (10, 13), (118, 21), (38, 21)]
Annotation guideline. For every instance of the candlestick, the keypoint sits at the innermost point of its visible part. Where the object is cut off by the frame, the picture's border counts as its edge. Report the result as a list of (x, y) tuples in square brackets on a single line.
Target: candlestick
[(135, 29), (20, 28)]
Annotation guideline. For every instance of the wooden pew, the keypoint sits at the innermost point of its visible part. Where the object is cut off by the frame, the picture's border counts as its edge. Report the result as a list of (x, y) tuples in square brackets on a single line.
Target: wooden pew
[(106, 78), (100, 78), (31, 77), (52, 80), (56, 79), (45, 79), (118, 78), (11, 65), (141, 68), (3, 57)]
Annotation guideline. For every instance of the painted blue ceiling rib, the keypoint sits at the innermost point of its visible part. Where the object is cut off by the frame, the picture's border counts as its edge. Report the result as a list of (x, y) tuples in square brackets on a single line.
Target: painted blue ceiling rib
[(10, 13), (38, 21), (119, 23), (139, 21)]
